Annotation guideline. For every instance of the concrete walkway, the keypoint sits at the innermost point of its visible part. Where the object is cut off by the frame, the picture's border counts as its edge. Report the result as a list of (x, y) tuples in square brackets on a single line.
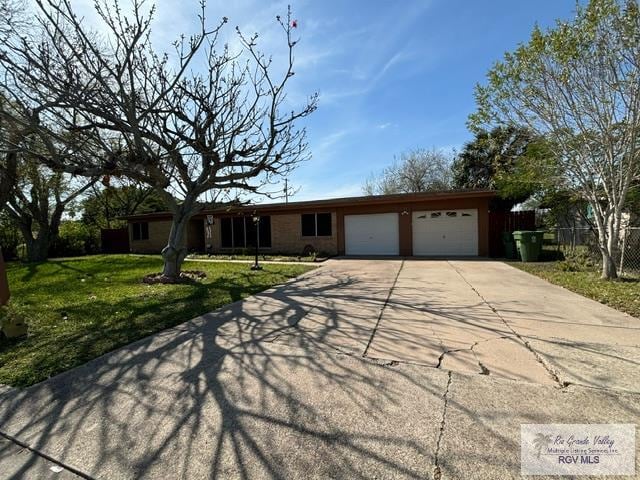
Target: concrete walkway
[(359, 369)]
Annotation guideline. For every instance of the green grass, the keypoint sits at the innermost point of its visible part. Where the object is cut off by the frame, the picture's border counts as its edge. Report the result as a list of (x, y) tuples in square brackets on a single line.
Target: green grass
[(78, 309), (622, 294)]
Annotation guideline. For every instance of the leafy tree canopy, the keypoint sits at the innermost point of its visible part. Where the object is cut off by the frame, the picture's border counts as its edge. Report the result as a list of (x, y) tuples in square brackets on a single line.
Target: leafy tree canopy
[(577, 85), (105, 206), (511, 160)]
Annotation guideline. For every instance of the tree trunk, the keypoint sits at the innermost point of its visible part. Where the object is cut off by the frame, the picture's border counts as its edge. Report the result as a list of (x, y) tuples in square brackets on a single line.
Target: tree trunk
[(608, 242), (38, 248), (609, 271), (176, 250)]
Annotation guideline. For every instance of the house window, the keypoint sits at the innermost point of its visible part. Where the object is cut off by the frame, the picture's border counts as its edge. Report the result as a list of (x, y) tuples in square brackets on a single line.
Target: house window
[(308, 225), (226, 234), (316, 224), (140, 231), (436, 214), (239, 238), (240, 232)]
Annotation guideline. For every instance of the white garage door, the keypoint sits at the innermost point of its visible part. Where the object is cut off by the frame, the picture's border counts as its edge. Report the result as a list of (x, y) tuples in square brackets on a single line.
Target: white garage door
[(371, 234), (445, 232)]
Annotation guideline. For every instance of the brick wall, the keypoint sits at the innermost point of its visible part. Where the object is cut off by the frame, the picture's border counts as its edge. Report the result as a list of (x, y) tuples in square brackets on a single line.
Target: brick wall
[(286, 236), (158, 235)]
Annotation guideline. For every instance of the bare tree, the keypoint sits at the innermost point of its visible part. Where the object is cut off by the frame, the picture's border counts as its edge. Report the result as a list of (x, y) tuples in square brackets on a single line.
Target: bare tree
[(10, 19), (578, 85), (8, 156), (417, 170), (220, 128)]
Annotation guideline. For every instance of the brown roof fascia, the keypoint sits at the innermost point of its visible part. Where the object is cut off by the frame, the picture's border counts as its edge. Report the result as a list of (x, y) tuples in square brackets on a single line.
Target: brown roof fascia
[(332, 203), (350, 201)]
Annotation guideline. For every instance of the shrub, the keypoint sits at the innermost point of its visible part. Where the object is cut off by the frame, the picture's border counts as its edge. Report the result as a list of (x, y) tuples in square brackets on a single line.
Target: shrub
[(569, 266), (582, 257), (10, 237), (74, 239)]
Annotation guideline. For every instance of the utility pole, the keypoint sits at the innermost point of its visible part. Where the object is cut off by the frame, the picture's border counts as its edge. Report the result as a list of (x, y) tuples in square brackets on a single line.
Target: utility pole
[(286, 190)]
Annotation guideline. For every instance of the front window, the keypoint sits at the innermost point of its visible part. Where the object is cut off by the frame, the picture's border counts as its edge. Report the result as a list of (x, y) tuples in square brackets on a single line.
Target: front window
[(140, 231), (316, 224), (240, 232)]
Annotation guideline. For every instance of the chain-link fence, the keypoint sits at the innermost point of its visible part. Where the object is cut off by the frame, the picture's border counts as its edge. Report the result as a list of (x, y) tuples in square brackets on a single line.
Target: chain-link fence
[(581, 244)]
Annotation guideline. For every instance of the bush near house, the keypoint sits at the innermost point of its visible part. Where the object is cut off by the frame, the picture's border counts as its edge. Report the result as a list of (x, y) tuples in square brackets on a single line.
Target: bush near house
[(75, 239)]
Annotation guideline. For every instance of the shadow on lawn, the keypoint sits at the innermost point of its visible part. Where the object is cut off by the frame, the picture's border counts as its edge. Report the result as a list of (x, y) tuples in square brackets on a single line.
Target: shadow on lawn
[(257, 389), (152, 309)]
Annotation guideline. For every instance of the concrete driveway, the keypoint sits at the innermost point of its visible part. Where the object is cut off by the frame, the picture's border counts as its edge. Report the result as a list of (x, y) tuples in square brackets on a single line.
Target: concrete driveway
[(359, 369)]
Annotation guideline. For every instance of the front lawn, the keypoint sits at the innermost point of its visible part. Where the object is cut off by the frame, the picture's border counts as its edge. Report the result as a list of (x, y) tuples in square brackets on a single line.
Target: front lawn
[(622, 294), (78, 309)]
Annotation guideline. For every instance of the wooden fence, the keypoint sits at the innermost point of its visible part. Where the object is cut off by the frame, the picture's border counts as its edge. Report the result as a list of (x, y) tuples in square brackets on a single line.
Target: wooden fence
[(500, 222), (114, 240)]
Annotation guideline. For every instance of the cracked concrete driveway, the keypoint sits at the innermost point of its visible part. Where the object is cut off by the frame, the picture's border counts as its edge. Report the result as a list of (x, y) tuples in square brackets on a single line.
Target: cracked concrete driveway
[(361, 368)]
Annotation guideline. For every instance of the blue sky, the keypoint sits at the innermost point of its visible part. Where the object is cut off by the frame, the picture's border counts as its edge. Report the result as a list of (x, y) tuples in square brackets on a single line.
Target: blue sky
[(392, 75), (398, 75)]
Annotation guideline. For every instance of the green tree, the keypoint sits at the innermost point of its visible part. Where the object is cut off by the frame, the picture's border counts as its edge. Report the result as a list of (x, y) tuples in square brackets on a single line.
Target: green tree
[(633, 201), (39, 200), (104, 207), (578, 86), (511, 160)]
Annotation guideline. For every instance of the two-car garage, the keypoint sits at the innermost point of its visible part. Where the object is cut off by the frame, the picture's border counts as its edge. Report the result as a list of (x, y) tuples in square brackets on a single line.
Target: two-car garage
[(447, 232)]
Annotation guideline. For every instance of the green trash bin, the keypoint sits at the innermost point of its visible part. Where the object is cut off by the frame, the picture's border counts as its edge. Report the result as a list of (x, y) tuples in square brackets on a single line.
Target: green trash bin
[(509, 243), (529, 244)]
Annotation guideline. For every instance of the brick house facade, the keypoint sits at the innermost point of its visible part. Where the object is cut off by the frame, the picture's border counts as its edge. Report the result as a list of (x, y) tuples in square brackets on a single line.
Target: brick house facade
[(335, 226)]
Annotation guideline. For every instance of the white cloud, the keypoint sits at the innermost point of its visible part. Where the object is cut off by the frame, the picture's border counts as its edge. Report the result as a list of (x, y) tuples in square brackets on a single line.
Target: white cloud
[(324, 147)]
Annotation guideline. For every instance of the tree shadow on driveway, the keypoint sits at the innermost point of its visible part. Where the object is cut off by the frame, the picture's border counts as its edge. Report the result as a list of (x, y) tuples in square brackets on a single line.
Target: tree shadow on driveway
[(215, 398), (263, 388)]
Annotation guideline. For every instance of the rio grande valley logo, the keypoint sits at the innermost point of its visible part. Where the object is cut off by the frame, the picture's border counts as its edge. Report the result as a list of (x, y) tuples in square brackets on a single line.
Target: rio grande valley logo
[(581, 449)]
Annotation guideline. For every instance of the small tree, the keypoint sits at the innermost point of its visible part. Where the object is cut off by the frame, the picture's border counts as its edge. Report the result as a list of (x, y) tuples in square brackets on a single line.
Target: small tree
[(417, 170), (39, 199), (206, 119), (578, 85)]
